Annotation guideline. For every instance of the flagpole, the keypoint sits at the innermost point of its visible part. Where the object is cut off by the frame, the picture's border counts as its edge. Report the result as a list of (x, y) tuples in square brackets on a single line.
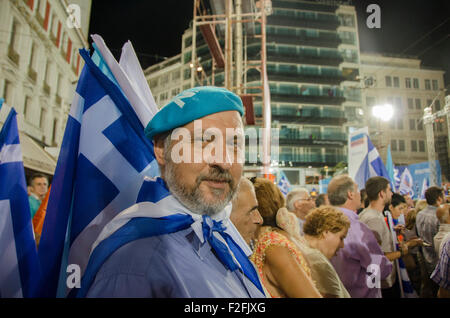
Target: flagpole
[(394, 240)]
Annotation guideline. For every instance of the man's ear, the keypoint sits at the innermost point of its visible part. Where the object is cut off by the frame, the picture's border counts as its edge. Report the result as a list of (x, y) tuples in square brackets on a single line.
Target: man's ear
[(158, 148)]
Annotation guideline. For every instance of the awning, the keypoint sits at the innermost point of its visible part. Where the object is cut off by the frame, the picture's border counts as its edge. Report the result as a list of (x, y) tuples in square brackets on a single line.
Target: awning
[(35, 157)]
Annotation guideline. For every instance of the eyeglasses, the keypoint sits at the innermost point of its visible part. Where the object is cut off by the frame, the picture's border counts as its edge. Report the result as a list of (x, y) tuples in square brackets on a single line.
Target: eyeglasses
[(309, 199)]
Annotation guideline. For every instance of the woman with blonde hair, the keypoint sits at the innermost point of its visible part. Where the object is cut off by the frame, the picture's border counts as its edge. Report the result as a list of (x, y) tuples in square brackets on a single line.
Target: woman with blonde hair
[(281, 265)]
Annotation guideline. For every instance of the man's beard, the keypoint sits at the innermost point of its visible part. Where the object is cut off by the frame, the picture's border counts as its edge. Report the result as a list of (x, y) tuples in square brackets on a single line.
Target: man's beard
[(193, 198)]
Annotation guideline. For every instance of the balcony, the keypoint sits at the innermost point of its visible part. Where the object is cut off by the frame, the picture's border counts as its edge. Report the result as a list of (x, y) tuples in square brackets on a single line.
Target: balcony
[(302, 78), (302, 59), (307, 99), (13, 55), (309, 116), (280, 20), (321, 41), (301, 160), (304, 6), (297, 137)]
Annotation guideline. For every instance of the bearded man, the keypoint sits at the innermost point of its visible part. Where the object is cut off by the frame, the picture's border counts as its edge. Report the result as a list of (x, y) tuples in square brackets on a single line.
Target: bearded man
[(178, 241)]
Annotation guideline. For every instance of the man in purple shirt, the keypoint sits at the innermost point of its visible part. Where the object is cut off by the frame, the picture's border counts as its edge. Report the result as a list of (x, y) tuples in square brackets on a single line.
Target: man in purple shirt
[(361, 264)]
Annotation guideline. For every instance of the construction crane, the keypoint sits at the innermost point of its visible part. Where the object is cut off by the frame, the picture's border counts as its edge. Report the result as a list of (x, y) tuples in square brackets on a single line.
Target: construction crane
[(428, 119)]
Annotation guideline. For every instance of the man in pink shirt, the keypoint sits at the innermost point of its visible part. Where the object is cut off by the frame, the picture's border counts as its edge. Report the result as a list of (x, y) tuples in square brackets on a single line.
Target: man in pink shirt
[(361, 264)]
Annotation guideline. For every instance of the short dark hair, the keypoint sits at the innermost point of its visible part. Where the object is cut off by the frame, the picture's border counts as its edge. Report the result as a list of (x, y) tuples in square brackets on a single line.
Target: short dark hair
[(37, 175), (374, 186), (397, 199), (432, 194), (320, 200)]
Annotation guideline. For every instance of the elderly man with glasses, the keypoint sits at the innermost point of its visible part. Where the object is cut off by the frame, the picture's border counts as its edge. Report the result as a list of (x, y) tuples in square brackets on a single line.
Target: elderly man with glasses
[(300, 203)]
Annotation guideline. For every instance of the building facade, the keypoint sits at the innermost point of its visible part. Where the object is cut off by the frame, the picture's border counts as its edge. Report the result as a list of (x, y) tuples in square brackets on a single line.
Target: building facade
[(409, 88), (39, 67)]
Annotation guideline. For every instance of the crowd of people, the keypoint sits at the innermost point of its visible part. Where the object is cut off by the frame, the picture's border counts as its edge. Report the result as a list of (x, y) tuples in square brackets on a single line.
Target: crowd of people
[(207, 231)]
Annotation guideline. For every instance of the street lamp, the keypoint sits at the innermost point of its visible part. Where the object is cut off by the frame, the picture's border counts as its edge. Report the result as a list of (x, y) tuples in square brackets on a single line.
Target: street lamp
[(383, 112)]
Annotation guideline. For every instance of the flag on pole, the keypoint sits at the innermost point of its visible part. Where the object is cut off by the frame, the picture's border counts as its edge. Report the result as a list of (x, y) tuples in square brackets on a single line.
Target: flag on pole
[(283, 182), (406, 183), (406, 288), (371, 165), (390, 168), (425, 186), (104, 160), (19, 266)]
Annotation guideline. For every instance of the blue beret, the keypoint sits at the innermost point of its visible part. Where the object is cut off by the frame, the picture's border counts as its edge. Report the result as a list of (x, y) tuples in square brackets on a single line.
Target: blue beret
[(192, 104)]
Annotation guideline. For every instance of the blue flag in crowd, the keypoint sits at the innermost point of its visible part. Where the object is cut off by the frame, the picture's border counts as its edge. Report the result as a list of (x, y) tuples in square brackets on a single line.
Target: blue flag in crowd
[(283, 183), (425, 186), (371, 166), (390, 169), (406, 183), (102, 165), (19, 266)]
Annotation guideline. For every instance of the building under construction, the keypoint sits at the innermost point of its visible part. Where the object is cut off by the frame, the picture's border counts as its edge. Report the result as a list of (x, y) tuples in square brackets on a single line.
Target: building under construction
[(310, 53)]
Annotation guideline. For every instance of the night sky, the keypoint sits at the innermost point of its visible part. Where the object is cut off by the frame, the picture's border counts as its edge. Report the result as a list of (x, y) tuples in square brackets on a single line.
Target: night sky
[(155, 28)]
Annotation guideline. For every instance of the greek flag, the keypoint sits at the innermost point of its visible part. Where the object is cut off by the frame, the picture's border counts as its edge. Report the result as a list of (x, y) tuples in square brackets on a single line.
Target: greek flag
[(390, 169), (19, 266), (103, 163), (425, 185), (406, 183), (283, 183), (406, 288), (371, 166)]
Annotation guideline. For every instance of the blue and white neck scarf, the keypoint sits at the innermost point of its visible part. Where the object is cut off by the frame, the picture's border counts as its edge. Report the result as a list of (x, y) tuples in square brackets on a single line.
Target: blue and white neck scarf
[(158, 212)]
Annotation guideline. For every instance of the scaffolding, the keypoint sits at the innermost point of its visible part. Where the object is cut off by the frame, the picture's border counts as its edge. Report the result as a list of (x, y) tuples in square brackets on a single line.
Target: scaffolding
[(428, 119), (232, 15)]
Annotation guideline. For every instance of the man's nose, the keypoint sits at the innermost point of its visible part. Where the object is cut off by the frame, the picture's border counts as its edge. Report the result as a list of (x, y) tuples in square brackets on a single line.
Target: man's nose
[(257, 218)]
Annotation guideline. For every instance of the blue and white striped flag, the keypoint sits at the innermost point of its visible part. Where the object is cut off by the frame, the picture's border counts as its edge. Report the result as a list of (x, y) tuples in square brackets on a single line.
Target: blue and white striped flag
[(406, 287), (406, 183), (19, 265), (283, 183), (425, 186), (371, 166), (103, 162)]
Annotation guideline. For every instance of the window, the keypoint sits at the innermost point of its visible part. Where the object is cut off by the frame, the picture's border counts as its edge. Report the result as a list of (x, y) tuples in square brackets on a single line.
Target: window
[(54, 130), (370, 101), (427, 84), (393, 145), (407, 82), (388, 81), (437, 105), (400, 123), (410, 103), (14, 32), (435, 85), (401, 145), (412, 124), (396, 82), (418, 104), (26, 106), (42, 118), (419, 124), (416, 83), (414, 145), (398, 104), (429, 101), (8, 92), (421, 146)]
